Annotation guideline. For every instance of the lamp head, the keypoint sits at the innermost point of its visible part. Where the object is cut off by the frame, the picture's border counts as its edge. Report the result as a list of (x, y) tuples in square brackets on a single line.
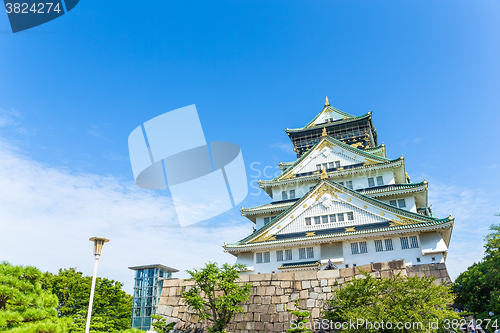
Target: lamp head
[(98, 244)]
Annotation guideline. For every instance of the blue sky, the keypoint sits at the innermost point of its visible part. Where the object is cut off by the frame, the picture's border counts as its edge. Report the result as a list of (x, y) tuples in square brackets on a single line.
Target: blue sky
[(73, 89)]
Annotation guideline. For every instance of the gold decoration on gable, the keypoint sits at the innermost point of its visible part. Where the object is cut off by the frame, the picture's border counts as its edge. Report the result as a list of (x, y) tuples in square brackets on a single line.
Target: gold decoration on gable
[(405, 221), (350, 229), (357, 145), (309, 234), (264, 237), (369, 162), (326, 189)]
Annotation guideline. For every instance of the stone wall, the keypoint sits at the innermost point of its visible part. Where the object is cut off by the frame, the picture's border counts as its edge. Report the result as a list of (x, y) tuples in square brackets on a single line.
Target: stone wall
[(273, 294)]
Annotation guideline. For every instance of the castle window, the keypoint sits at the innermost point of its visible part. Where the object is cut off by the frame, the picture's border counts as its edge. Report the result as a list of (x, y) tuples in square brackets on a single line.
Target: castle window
[(404, 243), (317, 220), (371, 182), (354, 248), (388, 245), (332, 218), (418, 259), (324, 218), (310, 252), (266, 220), (393, 203), (401, 203), (380, 180), (308, 221), (348, 184), (378, 246), (292, 194), (302, 253), (362, 247), (350, 216), (337, 164), (318, 167), (331, 165), (288, 254), (340, 217), (267, 256), (258, 257), (279, 255), (413, 242), (284, 195), (433, 258)]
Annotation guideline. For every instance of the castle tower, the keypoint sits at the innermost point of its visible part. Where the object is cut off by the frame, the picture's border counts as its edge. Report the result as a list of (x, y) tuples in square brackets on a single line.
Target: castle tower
[(342, 203)]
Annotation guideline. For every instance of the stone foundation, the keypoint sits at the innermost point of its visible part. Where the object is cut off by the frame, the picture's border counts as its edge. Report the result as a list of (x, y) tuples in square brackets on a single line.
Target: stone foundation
[(273, 294)]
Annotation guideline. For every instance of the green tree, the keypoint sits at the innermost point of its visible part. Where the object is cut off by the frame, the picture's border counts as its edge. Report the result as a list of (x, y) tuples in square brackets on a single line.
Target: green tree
[(216, 294), (301, 324), (478, 288), (374, 304), (112, 307), (24, 306), (160, 324)]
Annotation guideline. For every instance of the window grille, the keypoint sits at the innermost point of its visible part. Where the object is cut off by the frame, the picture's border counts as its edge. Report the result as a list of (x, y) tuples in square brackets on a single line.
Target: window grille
[(288, 254), (310, 252), (404, 243), (388, 245), (279, 255), (371, 182), (380, 180), (302, 253), (354, 248), (378, 246), (413, 242), (259, 258), (362, 247)]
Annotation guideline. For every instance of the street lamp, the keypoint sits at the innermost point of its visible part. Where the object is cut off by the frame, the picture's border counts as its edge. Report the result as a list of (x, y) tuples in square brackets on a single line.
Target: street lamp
[(98, 244)]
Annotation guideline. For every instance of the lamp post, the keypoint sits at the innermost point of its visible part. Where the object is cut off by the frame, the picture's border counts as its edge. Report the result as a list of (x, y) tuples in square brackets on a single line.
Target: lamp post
[(98, 244)]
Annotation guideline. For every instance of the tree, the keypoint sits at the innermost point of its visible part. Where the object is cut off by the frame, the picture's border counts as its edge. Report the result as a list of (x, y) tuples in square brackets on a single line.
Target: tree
[(301, 324), (112, 307), (24, 305), (478, 288), (160, 324), (368, 304), (216, 294)]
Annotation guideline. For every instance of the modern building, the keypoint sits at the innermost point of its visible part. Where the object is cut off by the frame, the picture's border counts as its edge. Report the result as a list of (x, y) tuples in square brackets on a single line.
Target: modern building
[(341, 203), (147, 290)]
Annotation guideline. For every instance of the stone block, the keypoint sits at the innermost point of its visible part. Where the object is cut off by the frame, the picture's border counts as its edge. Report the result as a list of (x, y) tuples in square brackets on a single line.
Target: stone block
[(266, 300), (322, 296), (324, 283), (396, 264), (175, 312), (171, 283), (327, 289), (265, 283), (275, 299), (315, 313), (346, 272), (310, 303), (172, 292), (260, 277), (172, 300), (265, 317), (261, 291), (294, 296), (248, 316), (306, 275), (284, 316), (244, 277), (314, 283), (282, 276), (375, 274), (241, 325), (297, 285), (386, 274), (304, 294), (313, 295), (279, 291), (285, 299), (259, 326), (238, 317), (270, 291), (278, 327), (250, 326), (280, 307), (365, 268), (317, 289), (340, 280), (257, 299), (269, 327), (286, 284), (276, 283), (329, 274), (306, 284)]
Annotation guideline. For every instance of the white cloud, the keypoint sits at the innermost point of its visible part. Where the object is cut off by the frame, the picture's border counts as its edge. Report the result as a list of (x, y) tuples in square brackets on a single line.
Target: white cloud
[(284, 147), (417, 140), (473, 211), (48, 214), (9, 117)]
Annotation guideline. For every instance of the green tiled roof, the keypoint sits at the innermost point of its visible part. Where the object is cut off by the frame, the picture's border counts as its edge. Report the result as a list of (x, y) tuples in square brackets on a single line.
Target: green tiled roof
[(341, 144), (299, 264), (341, 121), (383, 205)]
